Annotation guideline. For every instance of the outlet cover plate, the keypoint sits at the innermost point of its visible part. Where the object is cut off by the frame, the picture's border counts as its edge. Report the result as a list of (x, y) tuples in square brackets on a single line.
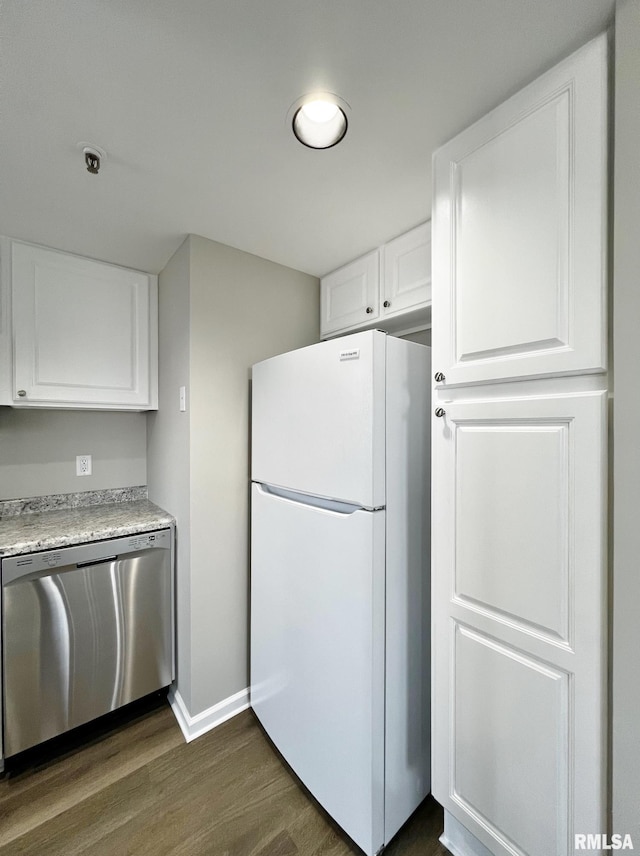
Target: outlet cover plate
[(83, 465)]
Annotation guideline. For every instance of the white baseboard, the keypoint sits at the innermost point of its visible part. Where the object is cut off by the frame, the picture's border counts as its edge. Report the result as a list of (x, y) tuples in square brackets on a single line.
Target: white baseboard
[(459, 841), (195, 726)]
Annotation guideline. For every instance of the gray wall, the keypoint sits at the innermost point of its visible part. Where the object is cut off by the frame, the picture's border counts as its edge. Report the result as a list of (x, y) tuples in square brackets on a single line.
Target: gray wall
[(422, 337), (168, 432), (242, 309), (38, 451), (626, 469)]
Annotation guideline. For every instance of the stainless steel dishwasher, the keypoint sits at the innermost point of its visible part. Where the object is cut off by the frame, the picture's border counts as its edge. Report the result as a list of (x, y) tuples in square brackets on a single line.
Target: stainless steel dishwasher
[(85, 630)]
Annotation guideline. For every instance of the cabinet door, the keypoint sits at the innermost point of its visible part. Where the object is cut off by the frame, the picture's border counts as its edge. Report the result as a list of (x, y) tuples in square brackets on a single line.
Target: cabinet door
[(519, 602), (349, 297), (406, 266), (81, 331), (519, 232)]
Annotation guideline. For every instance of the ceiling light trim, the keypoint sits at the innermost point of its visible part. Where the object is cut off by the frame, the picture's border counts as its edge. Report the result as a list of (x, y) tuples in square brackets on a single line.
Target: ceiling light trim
[(300, 123)]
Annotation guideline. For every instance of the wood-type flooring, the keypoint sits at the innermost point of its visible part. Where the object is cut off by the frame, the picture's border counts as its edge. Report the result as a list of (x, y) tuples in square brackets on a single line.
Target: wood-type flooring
[(140, 790)]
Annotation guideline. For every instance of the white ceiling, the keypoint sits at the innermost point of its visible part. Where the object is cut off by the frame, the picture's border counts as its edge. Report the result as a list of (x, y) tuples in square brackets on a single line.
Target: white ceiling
[(189, 98)]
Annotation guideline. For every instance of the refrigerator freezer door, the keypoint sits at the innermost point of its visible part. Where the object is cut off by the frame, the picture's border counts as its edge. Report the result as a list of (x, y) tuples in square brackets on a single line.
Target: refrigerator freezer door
[(317, 653), (318, 419)]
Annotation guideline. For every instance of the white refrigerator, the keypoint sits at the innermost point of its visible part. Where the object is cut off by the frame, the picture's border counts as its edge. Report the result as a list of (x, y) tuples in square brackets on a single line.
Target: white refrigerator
[(340, 545)]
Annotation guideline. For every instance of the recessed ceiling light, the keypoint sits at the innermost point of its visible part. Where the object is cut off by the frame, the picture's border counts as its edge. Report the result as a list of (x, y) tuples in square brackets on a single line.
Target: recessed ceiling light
[(319, 120)]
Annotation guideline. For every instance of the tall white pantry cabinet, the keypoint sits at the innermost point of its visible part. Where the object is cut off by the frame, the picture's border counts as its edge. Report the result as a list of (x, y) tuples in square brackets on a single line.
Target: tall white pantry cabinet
[(520, 468)]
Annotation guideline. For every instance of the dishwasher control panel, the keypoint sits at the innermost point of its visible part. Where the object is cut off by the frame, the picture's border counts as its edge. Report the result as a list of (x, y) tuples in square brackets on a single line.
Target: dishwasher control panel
[(49, 559), (148, 539), (16, 567)]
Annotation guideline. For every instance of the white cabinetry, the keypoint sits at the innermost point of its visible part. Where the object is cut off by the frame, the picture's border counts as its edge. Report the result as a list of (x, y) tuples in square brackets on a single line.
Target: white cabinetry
[(519, 635), (83, 334), (349, 297), (406, 272), (388, 288), (520, 468), (519, 248)]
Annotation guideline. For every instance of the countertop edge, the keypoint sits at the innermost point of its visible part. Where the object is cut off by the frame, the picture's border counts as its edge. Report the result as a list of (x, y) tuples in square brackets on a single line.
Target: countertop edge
[(52, 530)]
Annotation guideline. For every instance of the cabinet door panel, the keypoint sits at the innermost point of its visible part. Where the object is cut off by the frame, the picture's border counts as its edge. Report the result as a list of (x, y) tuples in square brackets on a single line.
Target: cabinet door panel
[(81, 331), (523, 466), (520, 232), (526, 703), (347, 294), (407, 271), (519, 605)]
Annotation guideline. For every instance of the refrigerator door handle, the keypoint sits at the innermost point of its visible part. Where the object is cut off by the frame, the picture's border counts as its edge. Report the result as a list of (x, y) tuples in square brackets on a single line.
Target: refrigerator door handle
[(335, 505)]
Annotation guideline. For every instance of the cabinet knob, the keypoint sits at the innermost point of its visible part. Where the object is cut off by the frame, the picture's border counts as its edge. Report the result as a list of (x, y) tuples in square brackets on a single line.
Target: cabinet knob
[(369, 310), (439, 377), (439, 411), (387, 304), (22, 393)]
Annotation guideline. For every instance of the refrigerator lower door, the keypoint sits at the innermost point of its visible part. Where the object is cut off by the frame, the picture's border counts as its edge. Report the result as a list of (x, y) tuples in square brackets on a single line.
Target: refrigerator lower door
[(317, 652)]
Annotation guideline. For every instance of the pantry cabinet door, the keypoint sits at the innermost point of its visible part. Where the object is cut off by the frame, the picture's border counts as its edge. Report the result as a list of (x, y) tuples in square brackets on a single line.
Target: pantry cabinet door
[(519, 604), (519, 232), (83, 332)]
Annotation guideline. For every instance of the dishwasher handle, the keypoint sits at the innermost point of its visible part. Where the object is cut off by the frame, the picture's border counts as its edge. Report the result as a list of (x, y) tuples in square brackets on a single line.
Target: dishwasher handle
[(101, 561)]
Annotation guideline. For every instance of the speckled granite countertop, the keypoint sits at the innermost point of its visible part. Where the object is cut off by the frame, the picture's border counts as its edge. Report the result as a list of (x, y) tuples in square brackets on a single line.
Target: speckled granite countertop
[(46, 523)]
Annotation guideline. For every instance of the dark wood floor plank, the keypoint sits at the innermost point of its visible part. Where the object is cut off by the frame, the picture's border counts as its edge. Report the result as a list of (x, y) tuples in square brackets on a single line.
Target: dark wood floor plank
[(142, 791), (316, 835), (37, 796)]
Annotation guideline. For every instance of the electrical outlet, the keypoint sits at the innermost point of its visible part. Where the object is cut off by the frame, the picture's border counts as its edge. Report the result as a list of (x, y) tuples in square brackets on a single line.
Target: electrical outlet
[(83, 465)]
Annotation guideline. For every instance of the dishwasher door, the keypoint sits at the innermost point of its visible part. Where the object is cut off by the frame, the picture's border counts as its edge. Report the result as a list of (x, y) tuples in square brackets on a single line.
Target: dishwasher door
[(86, 630)]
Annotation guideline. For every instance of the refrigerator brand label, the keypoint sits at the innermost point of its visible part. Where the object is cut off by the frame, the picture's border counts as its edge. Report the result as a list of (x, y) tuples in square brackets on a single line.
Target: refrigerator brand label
[(353, 354)]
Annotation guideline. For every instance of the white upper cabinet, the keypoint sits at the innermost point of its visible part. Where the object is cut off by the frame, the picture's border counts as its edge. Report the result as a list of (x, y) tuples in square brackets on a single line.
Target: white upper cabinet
[(406, 271), (84, 333), (389, 288), (519, 232), (349, 296)]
